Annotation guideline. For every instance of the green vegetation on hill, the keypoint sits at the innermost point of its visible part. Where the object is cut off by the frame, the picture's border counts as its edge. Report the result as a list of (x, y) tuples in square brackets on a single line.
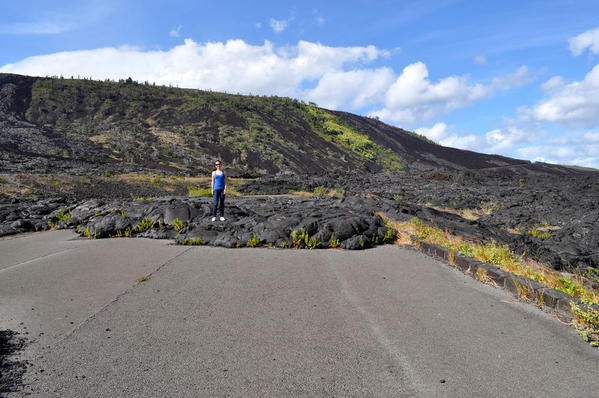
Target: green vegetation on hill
[(333, 129)]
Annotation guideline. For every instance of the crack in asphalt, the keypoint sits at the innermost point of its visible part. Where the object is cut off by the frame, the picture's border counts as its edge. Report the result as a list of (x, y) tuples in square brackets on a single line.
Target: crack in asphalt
[(34, 259), (117, 298), (396, 356)]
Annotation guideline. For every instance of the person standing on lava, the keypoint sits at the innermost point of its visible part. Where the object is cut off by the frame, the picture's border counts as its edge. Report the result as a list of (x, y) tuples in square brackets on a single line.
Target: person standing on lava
[(219, 190)]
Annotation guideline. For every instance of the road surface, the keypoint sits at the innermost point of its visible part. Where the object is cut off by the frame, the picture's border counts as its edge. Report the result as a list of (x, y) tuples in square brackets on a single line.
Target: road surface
[(208, 322)]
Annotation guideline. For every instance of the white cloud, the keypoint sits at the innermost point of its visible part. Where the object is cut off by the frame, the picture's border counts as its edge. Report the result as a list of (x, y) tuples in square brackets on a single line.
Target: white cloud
[(278, 25), (258, 25), (441, 134), (494, 141), (574, 138), (36, 28), (413, 98), (591, 138), (519, 78), (480, 60), (352, 89), (320, 20), (556, 82), (176, 31), (586, 40), (581, 153), (573, 104), (232, 66), (500, 140), (573, 147), (337, 76)]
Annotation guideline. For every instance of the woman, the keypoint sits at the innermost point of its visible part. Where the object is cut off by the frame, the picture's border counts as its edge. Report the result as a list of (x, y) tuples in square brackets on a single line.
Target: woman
[(219, 189)]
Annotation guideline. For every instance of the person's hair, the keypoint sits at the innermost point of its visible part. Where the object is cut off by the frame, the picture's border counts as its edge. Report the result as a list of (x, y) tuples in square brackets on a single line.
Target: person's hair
[(215, 162)]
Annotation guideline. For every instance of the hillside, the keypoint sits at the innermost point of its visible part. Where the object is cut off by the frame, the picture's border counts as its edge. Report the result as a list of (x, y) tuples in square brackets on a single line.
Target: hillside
[(46, 122)]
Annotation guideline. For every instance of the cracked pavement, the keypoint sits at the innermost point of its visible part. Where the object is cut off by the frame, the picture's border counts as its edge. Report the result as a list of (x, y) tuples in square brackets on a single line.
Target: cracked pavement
[(269, 322)]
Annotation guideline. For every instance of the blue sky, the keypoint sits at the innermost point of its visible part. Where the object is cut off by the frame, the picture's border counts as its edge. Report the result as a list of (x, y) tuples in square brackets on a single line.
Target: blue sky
[(518, 78)]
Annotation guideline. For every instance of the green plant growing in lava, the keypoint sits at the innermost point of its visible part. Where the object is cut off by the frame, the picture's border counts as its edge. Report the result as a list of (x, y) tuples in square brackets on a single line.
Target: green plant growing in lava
[(254, 241), (144, 225)]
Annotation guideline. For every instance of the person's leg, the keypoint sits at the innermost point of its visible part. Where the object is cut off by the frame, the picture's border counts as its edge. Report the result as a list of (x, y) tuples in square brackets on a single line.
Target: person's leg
[(214, 203), (222, 203)]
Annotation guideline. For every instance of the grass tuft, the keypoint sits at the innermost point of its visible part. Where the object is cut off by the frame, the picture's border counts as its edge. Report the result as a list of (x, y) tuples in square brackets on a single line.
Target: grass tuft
[(299, 237), (334, 242), (313, 243), (61, 216), (144, 225), (194, 191), (142, 279), (284, 244), (178, 225), (193, 241), (254, 241)]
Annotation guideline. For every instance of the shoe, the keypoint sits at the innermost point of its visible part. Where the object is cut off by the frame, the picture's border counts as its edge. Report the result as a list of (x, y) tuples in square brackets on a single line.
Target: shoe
[(213, 219), (222, 219)]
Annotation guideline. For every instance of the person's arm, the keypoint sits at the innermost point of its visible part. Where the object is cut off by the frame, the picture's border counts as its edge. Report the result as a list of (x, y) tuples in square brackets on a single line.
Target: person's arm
[(225, 182), (212, 184)]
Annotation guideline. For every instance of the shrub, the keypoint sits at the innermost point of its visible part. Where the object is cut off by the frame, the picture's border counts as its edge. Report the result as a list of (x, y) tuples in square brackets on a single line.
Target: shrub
[(572, 288), (493, 253), (193, 241), (61, 216), (539, 234), (299, 237), (284, 244), (333, 129), (586, 321), (254, 241), (588, 316), (178, 225), (320, 191), (144, 225), (398, 197), (466, 250), (88, 233), (362, 243), (337, 193), (313, 243), (389, 236), (334, 242)]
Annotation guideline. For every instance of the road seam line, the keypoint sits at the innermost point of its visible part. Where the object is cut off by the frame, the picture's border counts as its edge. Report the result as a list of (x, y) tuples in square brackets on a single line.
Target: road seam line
[(34, 259), (116, 298), (382, 339)]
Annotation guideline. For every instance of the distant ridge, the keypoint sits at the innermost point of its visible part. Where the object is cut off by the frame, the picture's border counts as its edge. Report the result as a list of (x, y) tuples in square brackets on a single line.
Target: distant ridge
[(184, 130)]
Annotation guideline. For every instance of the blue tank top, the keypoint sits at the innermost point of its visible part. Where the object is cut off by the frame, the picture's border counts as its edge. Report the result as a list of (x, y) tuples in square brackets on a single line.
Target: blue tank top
[(219, 181)]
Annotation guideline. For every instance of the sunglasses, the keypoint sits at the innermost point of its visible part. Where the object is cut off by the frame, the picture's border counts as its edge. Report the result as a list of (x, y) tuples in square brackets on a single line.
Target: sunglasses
[(217, 164)]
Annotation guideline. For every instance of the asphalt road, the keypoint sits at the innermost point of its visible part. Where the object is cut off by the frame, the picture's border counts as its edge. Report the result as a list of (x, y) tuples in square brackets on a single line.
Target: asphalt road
[(213, 322)]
